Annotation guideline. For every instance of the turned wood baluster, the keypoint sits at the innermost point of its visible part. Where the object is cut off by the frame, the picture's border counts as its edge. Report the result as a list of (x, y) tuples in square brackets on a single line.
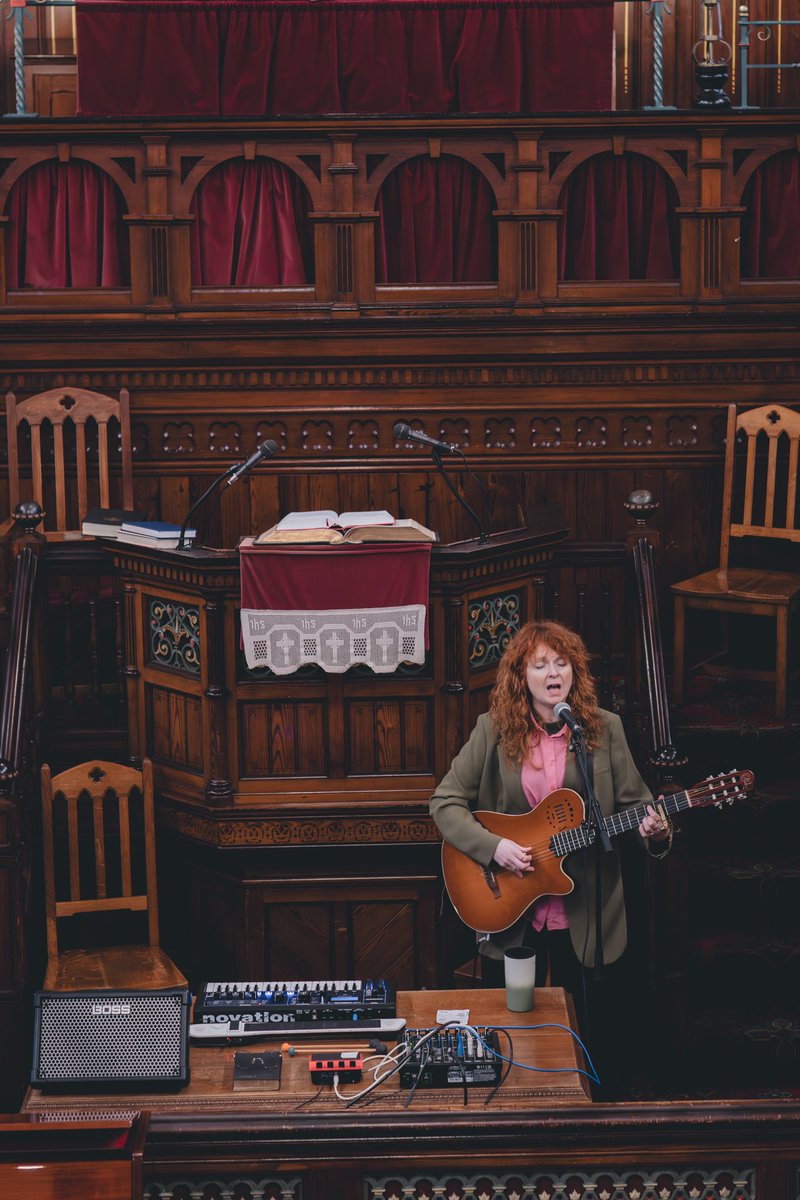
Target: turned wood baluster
[(25, 547), (219, 788), (119, 656), (94, 656)]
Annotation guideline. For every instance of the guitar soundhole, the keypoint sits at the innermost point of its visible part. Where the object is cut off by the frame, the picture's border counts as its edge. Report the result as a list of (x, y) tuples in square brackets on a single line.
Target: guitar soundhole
[(562, 816)]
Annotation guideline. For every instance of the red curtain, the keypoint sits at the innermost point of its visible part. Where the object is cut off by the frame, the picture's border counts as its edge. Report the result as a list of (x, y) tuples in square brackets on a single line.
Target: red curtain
[(304, 57), (771, 224), (65, 229), (251, 226), (435, 224), (619, 221)]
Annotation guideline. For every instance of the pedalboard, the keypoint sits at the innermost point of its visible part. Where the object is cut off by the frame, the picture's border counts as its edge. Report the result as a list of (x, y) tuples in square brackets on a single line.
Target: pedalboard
[(323, 1068), (451, 1058)]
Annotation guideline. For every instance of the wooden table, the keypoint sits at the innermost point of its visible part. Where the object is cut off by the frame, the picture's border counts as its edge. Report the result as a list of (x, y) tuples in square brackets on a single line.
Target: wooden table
[(211, 1087)]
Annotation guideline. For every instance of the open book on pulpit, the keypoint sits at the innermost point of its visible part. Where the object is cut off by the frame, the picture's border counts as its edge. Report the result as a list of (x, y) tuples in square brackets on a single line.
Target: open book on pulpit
[(331, 528)]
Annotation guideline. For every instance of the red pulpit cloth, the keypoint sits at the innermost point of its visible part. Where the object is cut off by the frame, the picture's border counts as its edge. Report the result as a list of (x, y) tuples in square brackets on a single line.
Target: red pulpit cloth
[(341, 586)]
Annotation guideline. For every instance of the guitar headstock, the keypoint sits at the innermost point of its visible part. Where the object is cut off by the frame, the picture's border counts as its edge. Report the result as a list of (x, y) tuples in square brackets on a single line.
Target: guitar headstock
[(722, 789)]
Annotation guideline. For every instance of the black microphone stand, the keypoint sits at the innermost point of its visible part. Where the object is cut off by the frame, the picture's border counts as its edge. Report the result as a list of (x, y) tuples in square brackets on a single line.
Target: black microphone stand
[(220, 479), (601, 840), (436, 455)]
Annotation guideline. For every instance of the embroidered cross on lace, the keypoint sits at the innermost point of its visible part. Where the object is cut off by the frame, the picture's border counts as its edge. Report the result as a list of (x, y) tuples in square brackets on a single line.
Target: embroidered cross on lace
[(334, 639)]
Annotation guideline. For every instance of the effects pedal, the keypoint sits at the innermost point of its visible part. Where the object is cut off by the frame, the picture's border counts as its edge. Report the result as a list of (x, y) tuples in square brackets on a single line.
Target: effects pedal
[(451, 1058), (347, 1066), (257, 1072)]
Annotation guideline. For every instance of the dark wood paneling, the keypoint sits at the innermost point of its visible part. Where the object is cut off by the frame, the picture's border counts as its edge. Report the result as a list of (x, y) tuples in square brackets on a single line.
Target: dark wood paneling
[(301, 939), (384, 943), (175, 729), (282, 738), (394, 736)]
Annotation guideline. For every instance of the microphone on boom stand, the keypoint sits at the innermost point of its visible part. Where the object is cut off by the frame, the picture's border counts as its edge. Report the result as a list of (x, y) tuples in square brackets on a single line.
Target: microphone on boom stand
[(402, 432), (230, 475)]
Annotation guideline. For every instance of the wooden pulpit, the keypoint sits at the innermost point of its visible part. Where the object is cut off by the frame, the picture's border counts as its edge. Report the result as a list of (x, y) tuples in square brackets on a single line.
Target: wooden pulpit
[(295, 807)]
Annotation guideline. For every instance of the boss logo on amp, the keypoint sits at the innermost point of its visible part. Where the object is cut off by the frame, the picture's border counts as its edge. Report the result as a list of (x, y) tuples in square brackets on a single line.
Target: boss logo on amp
[(111, 1010)]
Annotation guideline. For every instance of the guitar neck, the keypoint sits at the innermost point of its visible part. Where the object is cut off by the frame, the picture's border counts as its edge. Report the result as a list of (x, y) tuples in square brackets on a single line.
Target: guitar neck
[(569, 840), (631, 818)]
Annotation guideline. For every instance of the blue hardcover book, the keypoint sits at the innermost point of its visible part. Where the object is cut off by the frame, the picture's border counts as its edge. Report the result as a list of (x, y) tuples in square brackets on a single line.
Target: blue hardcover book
[(153, 529)]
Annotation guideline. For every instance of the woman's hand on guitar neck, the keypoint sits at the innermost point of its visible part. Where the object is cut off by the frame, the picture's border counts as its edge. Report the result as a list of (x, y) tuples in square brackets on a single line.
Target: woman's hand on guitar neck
[(513, 857), (655, 825)]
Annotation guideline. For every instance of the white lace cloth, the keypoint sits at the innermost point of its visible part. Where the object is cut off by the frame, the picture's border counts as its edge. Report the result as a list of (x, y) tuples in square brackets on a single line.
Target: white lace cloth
[(334, 639)]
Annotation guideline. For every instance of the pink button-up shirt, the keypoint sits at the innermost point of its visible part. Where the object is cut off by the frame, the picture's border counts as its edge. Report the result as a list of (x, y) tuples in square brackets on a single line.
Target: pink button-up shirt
[(542, 773)]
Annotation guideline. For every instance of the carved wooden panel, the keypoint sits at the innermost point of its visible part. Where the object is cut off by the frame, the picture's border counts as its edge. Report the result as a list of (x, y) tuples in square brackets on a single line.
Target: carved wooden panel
[(282, 737), (492, 622), (219, 1183), (174, 728), (389, 735), (692, 1182), (174, 632)]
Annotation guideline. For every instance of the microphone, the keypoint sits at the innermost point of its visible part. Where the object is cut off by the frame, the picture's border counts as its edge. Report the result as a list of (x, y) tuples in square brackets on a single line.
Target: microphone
[(229, 476), (404, 433), (564, 713), (264, 450)]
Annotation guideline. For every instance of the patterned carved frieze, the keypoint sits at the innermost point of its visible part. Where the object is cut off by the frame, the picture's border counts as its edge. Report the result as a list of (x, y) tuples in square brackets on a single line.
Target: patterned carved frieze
[(693, 1182), (297, 378), (280, 1187), (316, 831), (608, 432)]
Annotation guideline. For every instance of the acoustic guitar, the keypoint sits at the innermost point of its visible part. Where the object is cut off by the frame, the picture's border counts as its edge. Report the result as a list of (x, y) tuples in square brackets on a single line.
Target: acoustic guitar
[(491, 898)]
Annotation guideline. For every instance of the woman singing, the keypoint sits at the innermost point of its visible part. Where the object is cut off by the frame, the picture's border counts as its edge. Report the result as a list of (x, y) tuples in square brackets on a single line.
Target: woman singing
[(516, 755)]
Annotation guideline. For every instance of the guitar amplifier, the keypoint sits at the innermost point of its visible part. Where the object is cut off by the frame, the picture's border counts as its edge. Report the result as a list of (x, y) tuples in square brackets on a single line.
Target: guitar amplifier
[(111, 1039)]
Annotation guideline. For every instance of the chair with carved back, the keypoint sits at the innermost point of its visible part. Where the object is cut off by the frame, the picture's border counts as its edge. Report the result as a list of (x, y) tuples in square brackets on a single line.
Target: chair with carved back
[(74, 494), (98, 836), (759, 501)]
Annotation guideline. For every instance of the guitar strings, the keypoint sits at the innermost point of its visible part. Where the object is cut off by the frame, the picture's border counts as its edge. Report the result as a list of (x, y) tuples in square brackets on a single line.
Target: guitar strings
[(542, 850)]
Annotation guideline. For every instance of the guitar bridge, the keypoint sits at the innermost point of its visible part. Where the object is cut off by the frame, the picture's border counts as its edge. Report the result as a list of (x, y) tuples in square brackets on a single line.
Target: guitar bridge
[(490, 879)]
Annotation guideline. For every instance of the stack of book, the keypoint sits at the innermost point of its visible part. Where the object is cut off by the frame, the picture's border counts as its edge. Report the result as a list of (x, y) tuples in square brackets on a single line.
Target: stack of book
[(158, 535), (107, 522), (353, 528)]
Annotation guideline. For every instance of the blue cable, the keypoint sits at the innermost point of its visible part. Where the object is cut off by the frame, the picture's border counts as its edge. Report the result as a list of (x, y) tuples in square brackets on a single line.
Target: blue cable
[(593, 1076)]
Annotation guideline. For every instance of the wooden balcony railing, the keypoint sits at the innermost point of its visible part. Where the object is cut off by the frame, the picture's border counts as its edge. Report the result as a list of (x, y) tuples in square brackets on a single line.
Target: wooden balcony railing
[(157, 168)]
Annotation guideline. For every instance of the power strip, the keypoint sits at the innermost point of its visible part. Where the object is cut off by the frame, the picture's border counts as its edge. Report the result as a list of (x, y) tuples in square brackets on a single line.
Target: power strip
[(347, 1067)]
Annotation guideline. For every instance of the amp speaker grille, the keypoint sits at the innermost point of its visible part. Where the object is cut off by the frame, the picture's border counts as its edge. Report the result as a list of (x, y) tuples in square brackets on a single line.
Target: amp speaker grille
[(111, 1038)]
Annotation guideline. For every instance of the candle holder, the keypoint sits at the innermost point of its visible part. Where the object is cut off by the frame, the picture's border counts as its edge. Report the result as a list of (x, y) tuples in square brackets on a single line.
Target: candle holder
[(712, 56)]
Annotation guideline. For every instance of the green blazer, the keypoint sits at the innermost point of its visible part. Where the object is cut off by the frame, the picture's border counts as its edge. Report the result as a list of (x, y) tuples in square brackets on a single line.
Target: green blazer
[(482, 777)]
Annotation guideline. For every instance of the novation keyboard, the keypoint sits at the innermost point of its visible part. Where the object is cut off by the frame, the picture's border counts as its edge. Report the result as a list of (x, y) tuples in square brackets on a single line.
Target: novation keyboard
[(290, 1002), (384, 1029)]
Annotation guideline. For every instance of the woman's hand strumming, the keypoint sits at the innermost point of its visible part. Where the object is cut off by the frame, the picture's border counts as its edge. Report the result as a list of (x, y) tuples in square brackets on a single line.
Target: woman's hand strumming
[(513, 857)]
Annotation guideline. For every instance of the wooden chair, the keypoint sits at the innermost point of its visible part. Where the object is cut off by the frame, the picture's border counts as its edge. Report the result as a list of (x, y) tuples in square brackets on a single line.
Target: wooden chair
[(62, 407), (759, 500), (95, 838)]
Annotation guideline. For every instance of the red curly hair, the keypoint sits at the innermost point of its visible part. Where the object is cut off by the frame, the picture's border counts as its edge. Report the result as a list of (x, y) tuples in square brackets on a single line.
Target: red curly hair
[(511, 705)]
